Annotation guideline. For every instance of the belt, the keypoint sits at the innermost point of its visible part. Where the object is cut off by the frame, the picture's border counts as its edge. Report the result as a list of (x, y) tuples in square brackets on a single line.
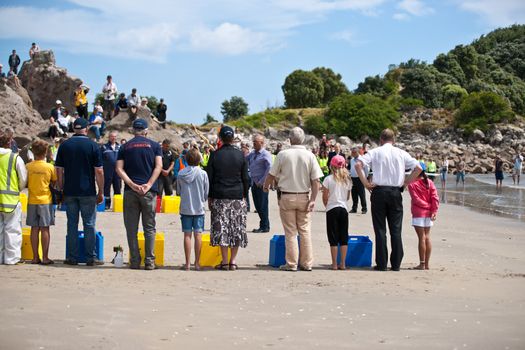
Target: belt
[(388, 187), (282, 192)]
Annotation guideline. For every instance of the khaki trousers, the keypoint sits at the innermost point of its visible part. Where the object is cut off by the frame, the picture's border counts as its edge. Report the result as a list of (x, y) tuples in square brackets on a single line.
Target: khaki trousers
[(296, 220)]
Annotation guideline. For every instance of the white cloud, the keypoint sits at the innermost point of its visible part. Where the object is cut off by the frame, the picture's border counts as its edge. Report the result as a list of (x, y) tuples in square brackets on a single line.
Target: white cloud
[(150, 30), (345, 35), (498, 13), (412, 8)]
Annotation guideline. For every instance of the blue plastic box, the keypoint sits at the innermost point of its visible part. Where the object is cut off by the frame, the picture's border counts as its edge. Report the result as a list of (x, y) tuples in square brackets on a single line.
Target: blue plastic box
[(278, 251), (102, 206), (359, 252), (99, 247)]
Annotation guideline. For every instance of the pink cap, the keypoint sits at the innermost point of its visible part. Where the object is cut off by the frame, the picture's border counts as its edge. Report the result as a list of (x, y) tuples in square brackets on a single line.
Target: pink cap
[(338, 162)]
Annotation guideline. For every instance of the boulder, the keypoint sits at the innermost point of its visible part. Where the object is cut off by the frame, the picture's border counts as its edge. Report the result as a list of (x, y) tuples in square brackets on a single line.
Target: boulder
[(46, 83), (496, 138), (344, 141), (15, 113), (477, 135)]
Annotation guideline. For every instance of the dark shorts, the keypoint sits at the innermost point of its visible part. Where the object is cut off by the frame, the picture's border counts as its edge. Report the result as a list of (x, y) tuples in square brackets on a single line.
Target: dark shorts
[(40, 215), (499, 175), (192, 223), (337, 226)]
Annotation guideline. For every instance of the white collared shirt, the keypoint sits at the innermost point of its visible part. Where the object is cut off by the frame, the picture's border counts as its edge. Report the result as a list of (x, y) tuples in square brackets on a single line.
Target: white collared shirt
[(388, 164)]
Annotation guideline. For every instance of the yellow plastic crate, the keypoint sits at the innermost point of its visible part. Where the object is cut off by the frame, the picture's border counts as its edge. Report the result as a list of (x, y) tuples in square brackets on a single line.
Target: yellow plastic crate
[(210, 256), (27, 251), (23, 201), (171, 204), (118, 203), (158, 249)]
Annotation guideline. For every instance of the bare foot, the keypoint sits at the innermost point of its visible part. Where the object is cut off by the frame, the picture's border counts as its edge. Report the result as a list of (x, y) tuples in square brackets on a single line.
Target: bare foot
[(47, 262), (197, 267), (426, 267), (185, 267), (334, 267), (35, 261), (342, 267)]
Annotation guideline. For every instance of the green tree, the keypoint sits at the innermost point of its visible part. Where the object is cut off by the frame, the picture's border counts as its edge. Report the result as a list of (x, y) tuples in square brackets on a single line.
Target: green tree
[(303, 89), (377, 86), (234, 108), (480, 109), (332, 84), (359, 115), (420, 83), (209, 119), (453, 95)]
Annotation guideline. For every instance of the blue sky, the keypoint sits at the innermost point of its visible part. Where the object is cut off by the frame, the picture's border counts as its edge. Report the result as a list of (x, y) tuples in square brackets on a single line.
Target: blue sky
[(197, 53)]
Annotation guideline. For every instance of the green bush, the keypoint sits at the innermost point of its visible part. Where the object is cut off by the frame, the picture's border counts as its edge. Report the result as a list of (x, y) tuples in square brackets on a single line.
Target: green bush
[(316, 125), (453, 95), (480, 109), (270, 117), (303, 89), (359, 115)]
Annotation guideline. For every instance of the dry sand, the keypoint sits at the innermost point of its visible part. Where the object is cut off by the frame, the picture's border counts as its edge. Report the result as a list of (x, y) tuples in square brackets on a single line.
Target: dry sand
[(472, 298)]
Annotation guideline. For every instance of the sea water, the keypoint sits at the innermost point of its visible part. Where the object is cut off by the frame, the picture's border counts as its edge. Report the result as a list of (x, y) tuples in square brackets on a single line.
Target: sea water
[(480, 194)]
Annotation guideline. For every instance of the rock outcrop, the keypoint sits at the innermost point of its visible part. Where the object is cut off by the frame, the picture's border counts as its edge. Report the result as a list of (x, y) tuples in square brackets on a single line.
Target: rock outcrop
[(46, 83), (16, 112)]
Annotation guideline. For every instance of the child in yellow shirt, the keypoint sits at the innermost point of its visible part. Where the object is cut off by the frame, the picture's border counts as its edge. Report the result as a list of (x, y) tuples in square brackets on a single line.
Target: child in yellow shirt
[(40, 211)]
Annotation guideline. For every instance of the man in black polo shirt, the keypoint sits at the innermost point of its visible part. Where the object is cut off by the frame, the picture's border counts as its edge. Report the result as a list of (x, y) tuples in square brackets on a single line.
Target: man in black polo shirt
[(139, 164), (78, 166), (168, 161)]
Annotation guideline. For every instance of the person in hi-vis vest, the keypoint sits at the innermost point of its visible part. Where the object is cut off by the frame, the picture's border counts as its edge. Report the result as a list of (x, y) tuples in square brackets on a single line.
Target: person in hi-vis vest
[(13, 178)]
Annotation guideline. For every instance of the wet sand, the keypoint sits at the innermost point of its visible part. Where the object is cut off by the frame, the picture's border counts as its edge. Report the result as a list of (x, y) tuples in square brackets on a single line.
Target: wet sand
[(473, 296)]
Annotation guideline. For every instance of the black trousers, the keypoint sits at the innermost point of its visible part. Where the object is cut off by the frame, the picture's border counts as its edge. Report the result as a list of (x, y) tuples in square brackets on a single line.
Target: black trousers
[(337, 226), (164, 184), (358, 193), (387, 206), (82, 111)]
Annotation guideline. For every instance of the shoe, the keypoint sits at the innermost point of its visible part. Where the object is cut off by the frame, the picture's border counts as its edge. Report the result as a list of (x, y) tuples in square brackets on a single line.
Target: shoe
[(150, 267), (261, 230), (364, 211), (353, 211), (395, 269), (377, 268), (95, 262), (287, 267), (305, 268), (70, 262), (257, 230), (134, 266)]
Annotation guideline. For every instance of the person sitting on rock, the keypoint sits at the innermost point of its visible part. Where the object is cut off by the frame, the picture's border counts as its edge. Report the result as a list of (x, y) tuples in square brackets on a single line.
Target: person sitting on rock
[(33, 50), (57, 111), (14, 62), (133, 98), (96, 123), (122, 103), (161, 113), (63, 121), (144, 103), (54, 129), (132, 112)]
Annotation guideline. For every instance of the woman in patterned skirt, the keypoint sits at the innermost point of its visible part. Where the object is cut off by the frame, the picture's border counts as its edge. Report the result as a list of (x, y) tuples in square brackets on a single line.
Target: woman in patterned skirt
[(228, 174)]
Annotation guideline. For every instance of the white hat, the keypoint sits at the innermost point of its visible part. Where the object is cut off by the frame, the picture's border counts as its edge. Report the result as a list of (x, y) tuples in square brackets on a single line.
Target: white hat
[(58, 102)]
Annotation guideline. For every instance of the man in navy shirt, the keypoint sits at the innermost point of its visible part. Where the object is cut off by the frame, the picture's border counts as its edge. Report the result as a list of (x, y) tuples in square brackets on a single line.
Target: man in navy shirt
[(139, 164), (78, 166), (109, 160)]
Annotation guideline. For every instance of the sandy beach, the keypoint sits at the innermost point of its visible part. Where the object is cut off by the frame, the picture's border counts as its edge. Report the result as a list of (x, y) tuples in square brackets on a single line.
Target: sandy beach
[(472, 298)]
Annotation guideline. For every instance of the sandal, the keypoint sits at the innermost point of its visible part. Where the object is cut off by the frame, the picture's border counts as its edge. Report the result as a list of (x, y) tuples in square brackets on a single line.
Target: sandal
[(48, 262), (233, 267), (36, 262), (224, 267), (183, 267)]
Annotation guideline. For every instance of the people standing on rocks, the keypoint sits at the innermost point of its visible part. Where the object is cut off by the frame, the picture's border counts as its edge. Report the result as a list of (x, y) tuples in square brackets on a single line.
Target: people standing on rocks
[(13, 179), (298, 174), (161, 113), (260, 162), (228, 176), (133, 98), (33, 50), (358, 189), (14, 62), (460, 172), (139, 165), (518, 168), (389, 164), (110, 93), (443, 172), (79, 167), (193, 186), (166, 175), (498, 171), (40, 210), (81, 102), (109, 160), (336, 192), (424, 207)]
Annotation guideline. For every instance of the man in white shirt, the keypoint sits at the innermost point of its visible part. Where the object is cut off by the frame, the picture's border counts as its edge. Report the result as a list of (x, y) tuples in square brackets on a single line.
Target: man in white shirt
[(298, 172), (110, 92), (133, 98), (518, 167), (389, 164)]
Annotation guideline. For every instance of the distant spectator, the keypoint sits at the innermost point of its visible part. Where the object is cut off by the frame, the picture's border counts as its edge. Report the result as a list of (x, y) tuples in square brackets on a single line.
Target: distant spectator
[(2, 74), (109, 160), (168, 162), (63, 121), (323, 144), (132, 111), (81, 102), (161, 113), (133, 98), (53, 129), (57, 111), (144, 103), (121, 104), (11, 133), (517, 169), (14, 62), (278, 149), (110, 93), (33, 50), (97, 124), (123, 142), (336, 152)]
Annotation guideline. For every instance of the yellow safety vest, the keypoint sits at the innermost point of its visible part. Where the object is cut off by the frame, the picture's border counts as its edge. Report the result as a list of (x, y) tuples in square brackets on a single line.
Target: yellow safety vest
[(9, 191), (323, 164), (205, 159), (431, 167)]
